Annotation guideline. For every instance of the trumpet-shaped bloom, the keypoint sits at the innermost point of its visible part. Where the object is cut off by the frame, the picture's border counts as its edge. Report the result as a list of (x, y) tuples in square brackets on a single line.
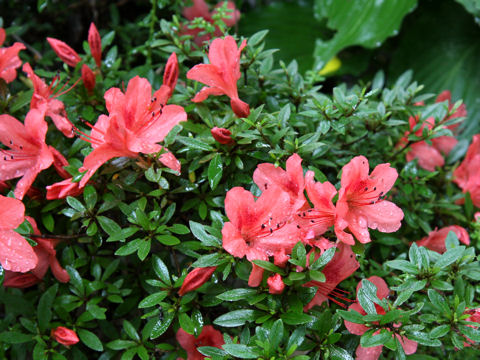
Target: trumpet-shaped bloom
[(467, 175), (64, 336), (95, 43), (9, 60), (222, 74), (27, 154), (316, 221), (64, 52), (275, 284), (46, 254), (342, 265), (63, 189), (373, 353), (208, 337), (361, 203), (135, 124), (436, 239), (290, 180), (16, 254), (259, 229), (44, 95)]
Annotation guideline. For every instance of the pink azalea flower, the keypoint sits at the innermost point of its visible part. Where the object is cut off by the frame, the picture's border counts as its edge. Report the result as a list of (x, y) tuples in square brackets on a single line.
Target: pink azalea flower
[(27, 154), (258, 229), (373, 353), (467, 176), (62, 189), (361, 203), (342, 265), (436, 239), (88, 78), (46, 254), (196, 278), (95, 43), (64, 52), (135, 124), (44, 95), (208, 337), (64, 336), (222, 74), (9, 60), (16, 254), (290, 180), (200, 10), (316, 221)]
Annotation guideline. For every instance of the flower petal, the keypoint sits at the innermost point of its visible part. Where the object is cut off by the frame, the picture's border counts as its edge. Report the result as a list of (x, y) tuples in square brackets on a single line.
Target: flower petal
[(16, 254), (370, 353), (11, 213), (384, 216)]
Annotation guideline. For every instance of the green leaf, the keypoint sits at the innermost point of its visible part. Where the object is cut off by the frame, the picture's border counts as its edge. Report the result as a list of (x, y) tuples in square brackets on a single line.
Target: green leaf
[(365, 302), (75, 204), (90, 339), (186, 323), (471, 333), (402, 265), (121, 344), (237, 294), (438, 301), (236, 318), (215, 171), (370, 340), (90, 196), (44, 309), (351, 316), (267, 265), (241, 351), (108, 225), (129, 248), (161, 270), (130, 330), (210, 260), (324, 259), (276, 334), (361, 22), (439, 331), (13, 337), (162, 325), (212, 351), (337, 353), (198, 230), (195, 143), (449, 257), (153, 299), (295, 318)]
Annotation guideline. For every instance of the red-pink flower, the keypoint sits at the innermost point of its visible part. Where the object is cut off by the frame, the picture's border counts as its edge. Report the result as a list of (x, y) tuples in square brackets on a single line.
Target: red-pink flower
[(342, 265), (275, 284), (316, 221), (223, 136), (436, 239), (62, 189), (27, 154), (95, 43), (290, 180), (208, 337), (259, 229), (135, 124), (64, 52), (222, 74), (46, 254), (200, 10), (467, 176), (361, 203), (9, 60), (44, 95), (373, 353), (64, 336), (196, 278), (88, 77), (16, 254), (474, 317)]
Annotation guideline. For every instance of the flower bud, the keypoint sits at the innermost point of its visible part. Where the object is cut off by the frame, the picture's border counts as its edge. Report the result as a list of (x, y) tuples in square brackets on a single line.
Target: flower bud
[(275, 284), (240, 108), (64, 336), (64, 52), (88, 78), (170, 75), (95, 43), (223, 136), (196, 278)]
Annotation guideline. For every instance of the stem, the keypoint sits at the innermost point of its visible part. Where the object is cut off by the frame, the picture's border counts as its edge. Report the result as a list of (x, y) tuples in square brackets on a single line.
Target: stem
[(60, 237)]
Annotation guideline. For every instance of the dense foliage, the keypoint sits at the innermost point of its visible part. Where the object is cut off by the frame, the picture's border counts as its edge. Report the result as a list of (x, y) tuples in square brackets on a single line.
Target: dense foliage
[(196, 196)]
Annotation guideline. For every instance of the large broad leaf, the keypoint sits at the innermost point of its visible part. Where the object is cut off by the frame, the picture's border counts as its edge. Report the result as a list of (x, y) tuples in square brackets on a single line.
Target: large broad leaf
[(292, 29), (441, 44), (361, 22), (473, 7)]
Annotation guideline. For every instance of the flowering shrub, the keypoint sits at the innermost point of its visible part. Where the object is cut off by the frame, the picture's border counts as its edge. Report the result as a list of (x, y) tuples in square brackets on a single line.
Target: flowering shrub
[(258, 216)]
